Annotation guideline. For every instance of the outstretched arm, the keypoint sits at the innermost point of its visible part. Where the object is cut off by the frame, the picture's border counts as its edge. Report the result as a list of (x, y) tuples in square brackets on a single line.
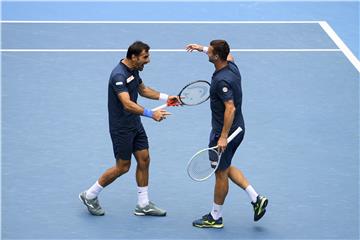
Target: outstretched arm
[(197, 47), (200, 48), (150, 93)]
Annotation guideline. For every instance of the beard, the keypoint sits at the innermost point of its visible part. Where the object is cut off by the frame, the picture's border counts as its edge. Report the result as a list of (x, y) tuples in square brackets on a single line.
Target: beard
[(140, 67)]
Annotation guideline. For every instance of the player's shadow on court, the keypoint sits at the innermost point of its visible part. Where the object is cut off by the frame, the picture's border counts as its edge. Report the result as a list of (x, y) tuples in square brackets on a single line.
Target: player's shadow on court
[(259, 229)]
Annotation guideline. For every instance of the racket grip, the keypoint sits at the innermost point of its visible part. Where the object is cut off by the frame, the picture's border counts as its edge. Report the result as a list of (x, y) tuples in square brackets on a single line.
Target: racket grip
[(234, 134), (159, 107)]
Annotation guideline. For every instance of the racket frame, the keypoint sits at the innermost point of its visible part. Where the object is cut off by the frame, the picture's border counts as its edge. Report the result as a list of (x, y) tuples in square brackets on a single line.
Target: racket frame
[(179, 96), (229, 139), (214, 169)]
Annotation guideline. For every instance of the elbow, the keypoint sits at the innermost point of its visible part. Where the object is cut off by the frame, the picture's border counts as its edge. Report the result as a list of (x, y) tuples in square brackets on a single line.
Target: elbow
[(231, 108), (127, 107), (141, 93)]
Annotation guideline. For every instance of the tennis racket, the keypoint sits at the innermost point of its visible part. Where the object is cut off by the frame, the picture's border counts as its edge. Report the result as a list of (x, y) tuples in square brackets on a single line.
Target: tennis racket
[(205, 162), (192, 94)]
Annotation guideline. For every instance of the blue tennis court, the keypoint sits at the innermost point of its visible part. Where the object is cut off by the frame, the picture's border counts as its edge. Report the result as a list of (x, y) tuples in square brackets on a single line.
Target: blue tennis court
[(301, 108)]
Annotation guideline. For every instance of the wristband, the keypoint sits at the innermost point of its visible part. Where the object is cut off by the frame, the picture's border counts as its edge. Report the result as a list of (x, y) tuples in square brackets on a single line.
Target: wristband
[(163, 97), (148, 113), (205, 49)]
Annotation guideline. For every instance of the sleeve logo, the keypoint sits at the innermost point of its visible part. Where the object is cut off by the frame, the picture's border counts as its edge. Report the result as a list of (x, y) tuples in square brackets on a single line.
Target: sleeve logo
[(129, 79)]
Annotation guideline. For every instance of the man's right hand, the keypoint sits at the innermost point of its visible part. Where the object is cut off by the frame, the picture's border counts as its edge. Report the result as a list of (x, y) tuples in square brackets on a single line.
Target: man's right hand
[(160, 115)]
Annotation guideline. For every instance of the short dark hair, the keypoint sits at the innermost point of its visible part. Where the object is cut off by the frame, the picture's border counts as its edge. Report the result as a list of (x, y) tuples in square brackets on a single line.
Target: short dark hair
[(136, 49), (221, 48)]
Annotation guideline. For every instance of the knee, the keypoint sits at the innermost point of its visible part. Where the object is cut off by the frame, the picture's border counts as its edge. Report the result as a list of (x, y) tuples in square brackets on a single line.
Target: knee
[(123, 167), (221, 174), (144, 162)]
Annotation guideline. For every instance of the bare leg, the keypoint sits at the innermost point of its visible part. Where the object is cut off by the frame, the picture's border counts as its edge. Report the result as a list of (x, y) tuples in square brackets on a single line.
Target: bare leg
[(121, 167), (142, 169), (221, 186), (238, 177), (144, 207)]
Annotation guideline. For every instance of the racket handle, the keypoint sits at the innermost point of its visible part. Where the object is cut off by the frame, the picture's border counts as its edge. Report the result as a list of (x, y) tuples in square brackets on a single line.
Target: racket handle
[(159, 107), (234, 134)]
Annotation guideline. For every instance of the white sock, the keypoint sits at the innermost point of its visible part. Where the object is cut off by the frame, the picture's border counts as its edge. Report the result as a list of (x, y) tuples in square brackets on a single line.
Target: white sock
[(94, 191), (216, 211), (143, 196), (252, 193)]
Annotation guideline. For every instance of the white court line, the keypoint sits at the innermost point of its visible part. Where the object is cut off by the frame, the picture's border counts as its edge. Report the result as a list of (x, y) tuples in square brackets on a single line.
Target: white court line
[(337, 40), (326, 27), (172, 1), (170, 50), (164, 22)]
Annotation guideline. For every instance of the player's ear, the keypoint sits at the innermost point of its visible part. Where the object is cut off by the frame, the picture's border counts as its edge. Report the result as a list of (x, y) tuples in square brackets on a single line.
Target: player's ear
[(133, 57)]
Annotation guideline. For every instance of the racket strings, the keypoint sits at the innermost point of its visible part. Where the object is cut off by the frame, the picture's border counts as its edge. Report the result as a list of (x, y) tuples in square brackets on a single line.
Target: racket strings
[(203, 164), (195, 93)]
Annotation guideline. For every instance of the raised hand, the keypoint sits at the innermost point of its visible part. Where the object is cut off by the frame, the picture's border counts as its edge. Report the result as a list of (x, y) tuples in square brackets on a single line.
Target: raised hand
[(193, 46)]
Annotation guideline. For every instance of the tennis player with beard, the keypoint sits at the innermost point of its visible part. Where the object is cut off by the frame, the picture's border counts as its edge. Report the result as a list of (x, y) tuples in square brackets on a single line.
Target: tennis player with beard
[(127, 132), (225, 104)]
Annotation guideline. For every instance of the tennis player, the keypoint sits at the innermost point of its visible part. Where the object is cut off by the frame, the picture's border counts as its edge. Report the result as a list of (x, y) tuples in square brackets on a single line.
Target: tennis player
[(225, 104), (127, 132)]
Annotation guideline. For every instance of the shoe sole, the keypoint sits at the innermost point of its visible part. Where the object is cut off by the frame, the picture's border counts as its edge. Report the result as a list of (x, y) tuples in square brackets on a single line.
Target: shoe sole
[(209, 226), (263, 205), (83, 201), (148, 214)]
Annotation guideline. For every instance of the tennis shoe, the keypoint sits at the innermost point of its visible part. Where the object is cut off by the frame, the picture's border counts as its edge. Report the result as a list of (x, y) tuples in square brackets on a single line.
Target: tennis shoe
[(149, 210), (207, 221), (259, 207), (92, 205)]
